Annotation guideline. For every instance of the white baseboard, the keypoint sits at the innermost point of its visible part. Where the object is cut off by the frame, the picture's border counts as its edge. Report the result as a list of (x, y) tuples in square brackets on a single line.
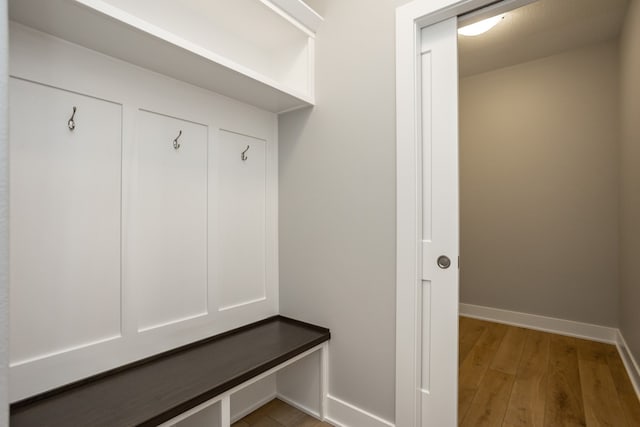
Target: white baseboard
[(343, 414), (542, 323), (306, 410), (630, 363)]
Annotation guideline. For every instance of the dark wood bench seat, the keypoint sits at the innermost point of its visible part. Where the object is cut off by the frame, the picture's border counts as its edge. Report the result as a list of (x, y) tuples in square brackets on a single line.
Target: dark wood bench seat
[(157, 389)]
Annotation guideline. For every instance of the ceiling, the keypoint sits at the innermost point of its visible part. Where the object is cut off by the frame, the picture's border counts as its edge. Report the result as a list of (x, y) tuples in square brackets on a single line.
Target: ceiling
[(540, 29)]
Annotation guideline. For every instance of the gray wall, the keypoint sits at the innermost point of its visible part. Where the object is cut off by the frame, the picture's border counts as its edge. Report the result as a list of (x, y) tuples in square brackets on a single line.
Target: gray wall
[(4, 220), (337, 201), (539, 186), (630, 180)]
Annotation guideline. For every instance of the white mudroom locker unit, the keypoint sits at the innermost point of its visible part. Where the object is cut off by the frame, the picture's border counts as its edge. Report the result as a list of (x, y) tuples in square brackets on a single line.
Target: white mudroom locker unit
[(144, 184)]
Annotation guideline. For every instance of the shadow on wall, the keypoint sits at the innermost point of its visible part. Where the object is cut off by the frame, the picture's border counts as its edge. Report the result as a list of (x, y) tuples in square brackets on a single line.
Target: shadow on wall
[(291, 136)]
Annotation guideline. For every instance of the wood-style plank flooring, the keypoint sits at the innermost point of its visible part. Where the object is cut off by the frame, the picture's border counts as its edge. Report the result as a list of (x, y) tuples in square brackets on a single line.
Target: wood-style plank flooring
[(512, 376), (278, 414)]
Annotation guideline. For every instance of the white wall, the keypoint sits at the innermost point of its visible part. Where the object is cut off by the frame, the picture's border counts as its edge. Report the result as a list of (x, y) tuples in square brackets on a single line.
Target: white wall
[(4, 221), (630, 179), (337, 202), (539, 186)]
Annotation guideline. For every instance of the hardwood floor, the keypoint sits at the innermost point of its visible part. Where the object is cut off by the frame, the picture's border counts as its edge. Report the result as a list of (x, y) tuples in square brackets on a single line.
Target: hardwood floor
[(278, 414), (512, 376)]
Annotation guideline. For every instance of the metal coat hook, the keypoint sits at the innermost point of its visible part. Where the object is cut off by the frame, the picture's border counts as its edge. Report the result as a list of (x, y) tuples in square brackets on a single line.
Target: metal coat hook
[(71, 123), (176, 144), (243, 156)]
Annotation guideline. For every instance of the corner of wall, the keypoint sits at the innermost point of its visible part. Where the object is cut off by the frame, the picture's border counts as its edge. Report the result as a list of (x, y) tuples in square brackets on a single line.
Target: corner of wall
[(629, 51)]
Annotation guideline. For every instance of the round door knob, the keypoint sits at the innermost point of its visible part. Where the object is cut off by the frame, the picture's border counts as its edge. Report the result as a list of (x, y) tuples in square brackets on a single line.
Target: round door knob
[(444, 262)]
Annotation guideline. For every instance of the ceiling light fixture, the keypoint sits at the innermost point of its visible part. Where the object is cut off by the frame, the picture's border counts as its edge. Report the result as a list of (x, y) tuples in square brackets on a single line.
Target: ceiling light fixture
[(480, 27)]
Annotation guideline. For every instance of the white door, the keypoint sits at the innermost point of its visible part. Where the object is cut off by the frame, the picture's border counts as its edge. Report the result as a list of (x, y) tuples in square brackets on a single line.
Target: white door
[(428, 302), (439, 328)]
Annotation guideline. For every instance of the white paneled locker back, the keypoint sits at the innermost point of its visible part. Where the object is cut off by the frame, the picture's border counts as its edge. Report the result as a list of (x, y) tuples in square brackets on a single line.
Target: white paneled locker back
[(65, 220), (168, 220), (240, 166), (141, 229)]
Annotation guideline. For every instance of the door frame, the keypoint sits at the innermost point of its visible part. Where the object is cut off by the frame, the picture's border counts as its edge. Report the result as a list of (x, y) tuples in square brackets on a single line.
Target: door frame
[(410, 19)]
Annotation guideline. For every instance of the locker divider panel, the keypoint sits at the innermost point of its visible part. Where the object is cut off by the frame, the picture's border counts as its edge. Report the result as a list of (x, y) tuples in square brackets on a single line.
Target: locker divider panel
[(65, 220), (168, 221)]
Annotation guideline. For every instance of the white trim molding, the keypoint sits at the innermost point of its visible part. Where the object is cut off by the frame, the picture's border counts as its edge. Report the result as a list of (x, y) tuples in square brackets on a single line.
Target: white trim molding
[(542, 323), (343, 414), (630, 363), (298, 13)]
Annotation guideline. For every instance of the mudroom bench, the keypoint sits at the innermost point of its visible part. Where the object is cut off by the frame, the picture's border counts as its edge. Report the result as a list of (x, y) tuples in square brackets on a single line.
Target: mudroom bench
[(170, 387)]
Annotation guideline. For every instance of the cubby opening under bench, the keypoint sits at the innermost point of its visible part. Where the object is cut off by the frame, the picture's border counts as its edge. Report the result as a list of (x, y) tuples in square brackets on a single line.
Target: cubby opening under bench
[(190, 385)]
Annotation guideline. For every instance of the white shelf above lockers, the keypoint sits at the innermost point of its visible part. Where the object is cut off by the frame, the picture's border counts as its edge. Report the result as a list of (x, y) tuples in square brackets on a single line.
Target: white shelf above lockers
[(257, 51)]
